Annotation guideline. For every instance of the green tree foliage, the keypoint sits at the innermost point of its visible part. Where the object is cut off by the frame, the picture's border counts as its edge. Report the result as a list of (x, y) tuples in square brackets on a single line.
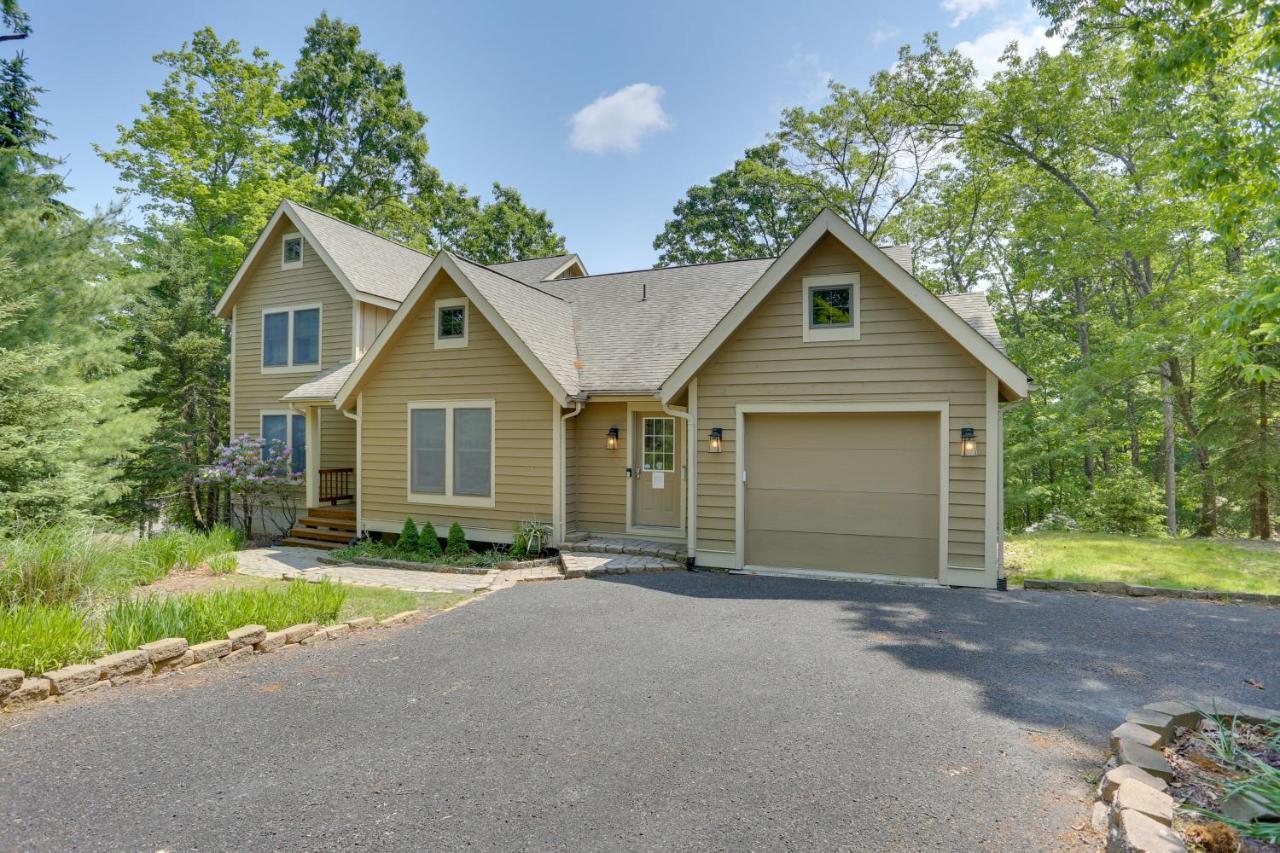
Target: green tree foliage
[(1126, 502), (429, 542), (407, 544), (456, 547)]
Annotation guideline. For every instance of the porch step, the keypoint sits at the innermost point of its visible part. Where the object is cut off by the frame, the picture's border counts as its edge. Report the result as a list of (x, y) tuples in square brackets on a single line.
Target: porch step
[(347, 513), (341, 525), (627, 547), (585, 564), (338, 536), (311, 543)]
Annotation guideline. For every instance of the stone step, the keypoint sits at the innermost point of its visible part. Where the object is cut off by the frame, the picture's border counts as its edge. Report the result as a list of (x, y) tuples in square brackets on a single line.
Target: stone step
[(588, 564), (634, 548)]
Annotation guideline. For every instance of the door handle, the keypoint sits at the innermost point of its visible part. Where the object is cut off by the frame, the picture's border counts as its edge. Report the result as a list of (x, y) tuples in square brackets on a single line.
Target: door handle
[(630, 473)]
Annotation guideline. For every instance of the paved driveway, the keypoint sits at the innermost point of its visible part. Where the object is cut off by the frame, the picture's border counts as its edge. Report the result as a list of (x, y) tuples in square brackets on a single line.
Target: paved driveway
[(681, 711)]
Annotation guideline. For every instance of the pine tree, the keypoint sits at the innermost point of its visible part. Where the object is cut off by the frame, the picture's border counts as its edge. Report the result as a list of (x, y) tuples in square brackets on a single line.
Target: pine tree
[(407, 544), (429, 542), (456, 548)]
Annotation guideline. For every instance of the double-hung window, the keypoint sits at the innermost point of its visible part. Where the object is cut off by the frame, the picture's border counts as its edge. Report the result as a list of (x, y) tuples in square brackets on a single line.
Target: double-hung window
[(830, 308), (289, 428), (291, 339), (451, 450)]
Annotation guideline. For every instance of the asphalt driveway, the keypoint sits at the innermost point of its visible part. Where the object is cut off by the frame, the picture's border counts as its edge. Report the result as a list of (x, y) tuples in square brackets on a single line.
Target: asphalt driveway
[(681, 711)]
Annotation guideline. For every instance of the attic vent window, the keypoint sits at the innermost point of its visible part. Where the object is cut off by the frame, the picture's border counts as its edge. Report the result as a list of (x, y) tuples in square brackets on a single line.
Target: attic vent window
[(830, 308), (451, 323), (292, 255)]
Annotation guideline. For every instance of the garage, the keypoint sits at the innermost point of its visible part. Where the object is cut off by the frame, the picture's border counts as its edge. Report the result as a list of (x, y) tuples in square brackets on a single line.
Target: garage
[(849, 492)]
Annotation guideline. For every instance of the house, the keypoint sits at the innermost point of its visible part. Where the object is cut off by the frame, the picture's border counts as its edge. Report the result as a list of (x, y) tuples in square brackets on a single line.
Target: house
[(819, 412)]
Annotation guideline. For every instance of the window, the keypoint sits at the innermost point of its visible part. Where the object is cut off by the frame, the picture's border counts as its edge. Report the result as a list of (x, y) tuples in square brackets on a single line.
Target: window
[(451, 449), (451, 323), (291, 253), (830, 307), (291, 339), (290, 428), (659, 444)]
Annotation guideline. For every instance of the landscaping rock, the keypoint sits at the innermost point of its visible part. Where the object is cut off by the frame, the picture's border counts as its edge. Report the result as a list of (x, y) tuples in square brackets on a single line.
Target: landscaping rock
[(10, 680), (30, 690), (1134, 832), (1154, 720), (125, 666), (239, 654), (298, 633), (211, 650), (185, 659), (1085, 587), (1117, 776), (247, 635), (1113, 587), (1247, 808), (272, 641), (1099, 816), (336, 630), (361, 623), (1183, 713), (69, 679), (1032, 583), (1140, 734), (1134, 795), (1139, 590), (166, 649), (1145, 758), (1245, 713), (401, 618), (1200, 594)]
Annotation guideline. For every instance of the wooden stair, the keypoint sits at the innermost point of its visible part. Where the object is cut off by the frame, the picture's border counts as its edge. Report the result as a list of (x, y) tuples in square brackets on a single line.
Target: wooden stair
[(326, 528)]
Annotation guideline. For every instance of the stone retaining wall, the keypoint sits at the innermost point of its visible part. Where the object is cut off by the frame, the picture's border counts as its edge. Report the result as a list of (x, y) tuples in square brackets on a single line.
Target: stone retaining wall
[(18, 689), (1139, 590)]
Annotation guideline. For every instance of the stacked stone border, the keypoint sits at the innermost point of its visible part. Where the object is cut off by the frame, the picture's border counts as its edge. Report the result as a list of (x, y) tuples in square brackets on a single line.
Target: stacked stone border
[(1134, 807), (1141, 591), (384, 563), (17, 689)]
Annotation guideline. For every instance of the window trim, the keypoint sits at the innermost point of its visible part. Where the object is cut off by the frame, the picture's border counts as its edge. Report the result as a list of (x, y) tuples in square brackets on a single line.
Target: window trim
[(823, 334), (451, 343), (290, 367), (287, 414), (302, 251), (448, 498)]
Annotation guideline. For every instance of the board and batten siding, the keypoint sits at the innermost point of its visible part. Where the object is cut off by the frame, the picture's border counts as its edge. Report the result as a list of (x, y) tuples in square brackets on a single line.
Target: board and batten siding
[(370, 321), (597, 482), (411, 369), (901, 356), (266, 286)]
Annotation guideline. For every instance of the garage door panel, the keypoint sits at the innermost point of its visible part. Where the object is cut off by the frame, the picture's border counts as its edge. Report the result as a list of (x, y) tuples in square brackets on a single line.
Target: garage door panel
[(869, 514), (876, 555), (885, 471), (851, 492)]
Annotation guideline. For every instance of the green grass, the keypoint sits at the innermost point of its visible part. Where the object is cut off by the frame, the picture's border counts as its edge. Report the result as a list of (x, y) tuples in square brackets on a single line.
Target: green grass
[(36, 638), (1179, 563)]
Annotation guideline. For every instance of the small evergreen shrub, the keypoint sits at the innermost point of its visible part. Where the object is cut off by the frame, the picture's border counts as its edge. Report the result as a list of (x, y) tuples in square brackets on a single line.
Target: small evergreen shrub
[(407, 544), (429, 543), (1125, 502), (457, 547)]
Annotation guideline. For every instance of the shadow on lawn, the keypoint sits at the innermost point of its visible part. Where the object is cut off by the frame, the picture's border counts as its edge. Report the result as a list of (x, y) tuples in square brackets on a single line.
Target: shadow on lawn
[(1071, 661)]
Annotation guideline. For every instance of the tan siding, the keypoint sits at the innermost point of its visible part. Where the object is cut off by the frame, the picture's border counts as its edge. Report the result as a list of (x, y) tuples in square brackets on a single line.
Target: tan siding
[(267, 286), (902, 356), (412, 369), (597, 500), (373, 319)]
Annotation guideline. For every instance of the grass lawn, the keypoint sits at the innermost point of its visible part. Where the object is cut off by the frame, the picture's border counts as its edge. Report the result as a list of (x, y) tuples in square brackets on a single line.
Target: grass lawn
[(360, 601), (1181, 563)]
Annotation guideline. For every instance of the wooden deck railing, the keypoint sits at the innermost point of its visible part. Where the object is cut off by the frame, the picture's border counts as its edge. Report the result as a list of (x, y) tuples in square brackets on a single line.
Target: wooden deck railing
[(337, 484)]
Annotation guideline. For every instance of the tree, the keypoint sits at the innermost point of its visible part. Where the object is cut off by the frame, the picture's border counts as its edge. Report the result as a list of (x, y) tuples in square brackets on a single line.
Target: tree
[(505, 229), (256, 472)]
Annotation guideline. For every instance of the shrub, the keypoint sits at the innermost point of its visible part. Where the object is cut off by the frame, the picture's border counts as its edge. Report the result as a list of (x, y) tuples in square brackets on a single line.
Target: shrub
[(429, 543), (255, 471), (457, 547), (1125, 502), (519, 545), (407, 544), (36, 638)]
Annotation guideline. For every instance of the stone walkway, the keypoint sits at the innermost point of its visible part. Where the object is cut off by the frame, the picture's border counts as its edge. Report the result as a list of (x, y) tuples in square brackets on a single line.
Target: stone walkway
[(634, 547), (587, 565), (286, 562)]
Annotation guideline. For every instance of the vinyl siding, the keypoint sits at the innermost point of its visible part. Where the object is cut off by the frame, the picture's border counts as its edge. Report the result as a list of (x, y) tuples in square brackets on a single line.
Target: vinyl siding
[(486, 369), (597, 482), (372, 320), (901, 356), (267, 286)]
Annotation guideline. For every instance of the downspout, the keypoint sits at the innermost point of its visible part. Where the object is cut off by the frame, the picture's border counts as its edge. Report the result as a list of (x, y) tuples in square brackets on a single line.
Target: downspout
[(358, 417), (564, 470), (684, 415), (1002, 582)]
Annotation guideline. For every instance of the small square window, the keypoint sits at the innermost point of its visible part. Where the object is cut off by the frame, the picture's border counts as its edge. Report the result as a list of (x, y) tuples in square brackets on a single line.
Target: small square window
[(293, 251), (830, 306), (451, 323)]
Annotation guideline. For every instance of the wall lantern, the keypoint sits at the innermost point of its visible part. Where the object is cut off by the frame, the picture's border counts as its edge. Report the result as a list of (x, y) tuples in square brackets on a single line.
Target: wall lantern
[(611, 439), (968, 442), (717, 440)]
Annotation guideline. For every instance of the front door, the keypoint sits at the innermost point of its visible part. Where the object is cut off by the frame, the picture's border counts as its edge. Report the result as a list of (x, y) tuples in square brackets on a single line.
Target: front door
[(656, 468)]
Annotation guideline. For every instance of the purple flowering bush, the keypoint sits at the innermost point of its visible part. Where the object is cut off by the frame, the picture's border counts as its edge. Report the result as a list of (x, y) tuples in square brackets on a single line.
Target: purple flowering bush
[(255, 471)]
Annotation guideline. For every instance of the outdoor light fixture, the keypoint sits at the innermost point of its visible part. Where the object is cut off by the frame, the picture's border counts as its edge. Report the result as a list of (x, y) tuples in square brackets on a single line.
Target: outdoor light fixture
[(717, 440), (968, 442), (611, 439)]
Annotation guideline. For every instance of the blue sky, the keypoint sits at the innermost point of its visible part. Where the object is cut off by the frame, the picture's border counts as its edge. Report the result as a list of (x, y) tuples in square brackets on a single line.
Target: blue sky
[(666, 94)]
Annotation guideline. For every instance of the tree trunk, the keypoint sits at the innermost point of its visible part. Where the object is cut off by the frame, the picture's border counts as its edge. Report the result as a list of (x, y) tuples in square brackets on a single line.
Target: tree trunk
[(1208, 522), (1170, 462), (1135, 445)]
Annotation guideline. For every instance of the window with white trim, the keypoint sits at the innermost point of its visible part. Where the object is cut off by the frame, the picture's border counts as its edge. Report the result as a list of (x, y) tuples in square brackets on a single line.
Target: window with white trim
[(451, 323), (291, 338), (830, 308), (451, 452), (291, 251), (289, 428), (659, 444)]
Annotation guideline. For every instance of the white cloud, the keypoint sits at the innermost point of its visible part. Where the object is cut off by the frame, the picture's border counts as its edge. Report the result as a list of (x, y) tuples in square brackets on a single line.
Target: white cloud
[(806, 69), (963, 9), (986, 49), (617, 122), (883, 33)]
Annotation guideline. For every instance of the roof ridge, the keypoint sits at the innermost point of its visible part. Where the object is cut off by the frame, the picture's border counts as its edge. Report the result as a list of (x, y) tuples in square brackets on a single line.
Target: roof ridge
[(676, 267), (488, 268), (396, 243), (527, 260)]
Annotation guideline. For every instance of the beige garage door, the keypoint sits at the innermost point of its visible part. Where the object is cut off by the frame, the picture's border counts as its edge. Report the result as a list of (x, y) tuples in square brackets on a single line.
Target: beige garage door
[(843, 492)]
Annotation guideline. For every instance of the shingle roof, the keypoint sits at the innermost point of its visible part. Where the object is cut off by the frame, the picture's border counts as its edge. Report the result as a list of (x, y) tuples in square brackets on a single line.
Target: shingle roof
[(543, 320), (534, 270), (373, 264), (626, 344), (322, 386), (974, 309)]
